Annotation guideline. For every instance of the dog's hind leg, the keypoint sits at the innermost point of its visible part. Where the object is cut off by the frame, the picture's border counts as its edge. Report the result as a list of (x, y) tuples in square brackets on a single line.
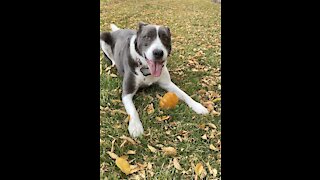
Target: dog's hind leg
[(106, 44)]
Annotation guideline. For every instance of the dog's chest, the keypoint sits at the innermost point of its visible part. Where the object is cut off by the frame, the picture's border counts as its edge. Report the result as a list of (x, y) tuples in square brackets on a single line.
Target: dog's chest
[(145, 80)]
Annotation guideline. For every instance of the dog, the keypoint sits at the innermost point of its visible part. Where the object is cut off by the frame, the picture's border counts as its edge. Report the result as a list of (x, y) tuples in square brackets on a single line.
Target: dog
[(140, 57)]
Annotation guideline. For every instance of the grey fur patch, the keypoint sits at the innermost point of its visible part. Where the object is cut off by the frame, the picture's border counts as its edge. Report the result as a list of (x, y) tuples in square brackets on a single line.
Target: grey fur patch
[(129, 84), (165, 37), (145, 36)]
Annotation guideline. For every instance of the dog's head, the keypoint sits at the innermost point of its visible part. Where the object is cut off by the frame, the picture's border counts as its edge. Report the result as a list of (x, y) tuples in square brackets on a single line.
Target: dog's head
[(154, 44)]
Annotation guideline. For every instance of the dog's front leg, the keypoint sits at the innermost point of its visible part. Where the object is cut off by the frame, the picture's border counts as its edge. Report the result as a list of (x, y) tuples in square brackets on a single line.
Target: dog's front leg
[(166, 83), (135, 126)]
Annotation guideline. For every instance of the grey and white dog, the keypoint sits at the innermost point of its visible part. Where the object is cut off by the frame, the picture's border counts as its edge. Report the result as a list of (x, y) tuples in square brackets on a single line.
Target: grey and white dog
[(141, 57)]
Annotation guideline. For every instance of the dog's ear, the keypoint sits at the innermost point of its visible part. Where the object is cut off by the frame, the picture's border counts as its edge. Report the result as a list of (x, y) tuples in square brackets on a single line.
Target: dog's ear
[(168, 31), (106, 37), (141, 24)]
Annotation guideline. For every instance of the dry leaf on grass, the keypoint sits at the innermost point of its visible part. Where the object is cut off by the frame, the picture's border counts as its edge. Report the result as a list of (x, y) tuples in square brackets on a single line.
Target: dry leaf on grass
[(150, 109), (216, 100), (212, 125), (152, 149), (198, 169), (113, 75), (112, 145), (163, 118), (176, 164), (122, 144), (212, 147), (204, 137), (128, 139), (131, 152), (112, 155), (210, 168), (128, 118), (215, 172), (123, 165), (170, 151)]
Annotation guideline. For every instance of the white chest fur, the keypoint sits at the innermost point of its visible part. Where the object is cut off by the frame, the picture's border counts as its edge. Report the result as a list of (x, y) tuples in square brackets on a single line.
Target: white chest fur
[(142, 80)]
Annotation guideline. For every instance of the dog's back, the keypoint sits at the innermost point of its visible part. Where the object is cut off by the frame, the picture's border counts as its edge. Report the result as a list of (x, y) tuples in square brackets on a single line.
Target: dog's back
[(113, 43)]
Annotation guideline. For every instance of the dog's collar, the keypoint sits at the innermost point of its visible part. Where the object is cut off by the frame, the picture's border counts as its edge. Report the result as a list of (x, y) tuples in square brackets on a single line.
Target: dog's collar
[(144, 69)]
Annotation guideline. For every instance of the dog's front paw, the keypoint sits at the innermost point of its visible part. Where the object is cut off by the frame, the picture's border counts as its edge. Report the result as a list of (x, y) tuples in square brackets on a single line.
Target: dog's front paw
[(135, 128), (199, 109)]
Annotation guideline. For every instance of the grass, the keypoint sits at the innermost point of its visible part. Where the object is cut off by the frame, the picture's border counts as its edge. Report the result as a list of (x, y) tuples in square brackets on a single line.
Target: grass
[(194, 66)]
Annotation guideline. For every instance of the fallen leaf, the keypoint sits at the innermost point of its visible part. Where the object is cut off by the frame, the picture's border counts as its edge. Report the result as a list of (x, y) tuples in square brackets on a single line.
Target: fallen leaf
[(152, 149), (201, 126), (198, 169), (122, 144), (215, 100), (170, 151), (142, 165), (113, 75), (123, 165), (128, 118), (176, 164), (210, 168), (150, 109), (212, 147), (158, 96), (215, 172), (131, 152), (124, 157), (212, 126), (163, 118), (204, 136), (128, 139), (134, 168), (112, 155), (112, 145)]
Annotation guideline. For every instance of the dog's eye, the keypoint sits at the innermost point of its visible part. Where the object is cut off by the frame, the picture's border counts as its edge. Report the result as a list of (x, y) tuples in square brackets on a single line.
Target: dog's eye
[(146, 37)]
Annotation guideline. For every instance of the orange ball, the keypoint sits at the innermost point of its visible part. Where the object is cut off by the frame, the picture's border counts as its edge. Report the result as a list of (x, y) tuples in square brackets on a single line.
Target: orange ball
[(169, 100)]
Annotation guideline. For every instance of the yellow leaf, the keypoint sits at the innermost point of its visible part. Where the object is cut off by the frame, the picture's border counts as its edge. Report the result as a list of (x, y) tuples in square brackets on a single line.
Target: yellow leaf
[(112, 145), (212, 125), (131, 152), (215, 172), (215, 100), (176, 164), (123, 165), (112, 155), (213, 148), (204, 136), (170, 151), (199, 169), (134, 168), (128, 139), (113, 75), (152, 149), (150, 109), (210, 168), (163, 118), (122, 144), (124, 157), (201, 126)]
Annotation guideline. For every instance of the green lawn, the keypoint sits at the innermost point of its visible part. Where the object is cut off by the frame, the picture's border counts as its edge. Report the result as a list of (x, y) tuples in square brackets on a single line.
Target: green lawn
[(194, 66)]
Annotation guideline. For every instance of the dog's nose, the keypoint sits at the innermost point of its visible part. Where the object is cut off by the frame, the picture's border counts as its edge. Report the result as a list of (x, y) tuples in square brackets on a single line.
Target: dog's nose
[(157, 53)]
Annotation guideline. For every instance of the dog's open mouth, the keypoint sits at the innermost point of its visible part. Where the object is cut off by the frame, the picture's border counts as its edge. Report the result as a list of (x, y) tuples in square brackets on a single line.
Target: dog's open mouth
[(155, 67)]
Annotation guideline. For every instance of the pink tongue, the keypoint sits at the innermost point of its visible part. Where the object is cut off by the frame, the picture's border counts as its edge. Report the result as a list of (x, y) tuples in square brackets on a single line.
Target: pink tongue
[(155, 68)]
